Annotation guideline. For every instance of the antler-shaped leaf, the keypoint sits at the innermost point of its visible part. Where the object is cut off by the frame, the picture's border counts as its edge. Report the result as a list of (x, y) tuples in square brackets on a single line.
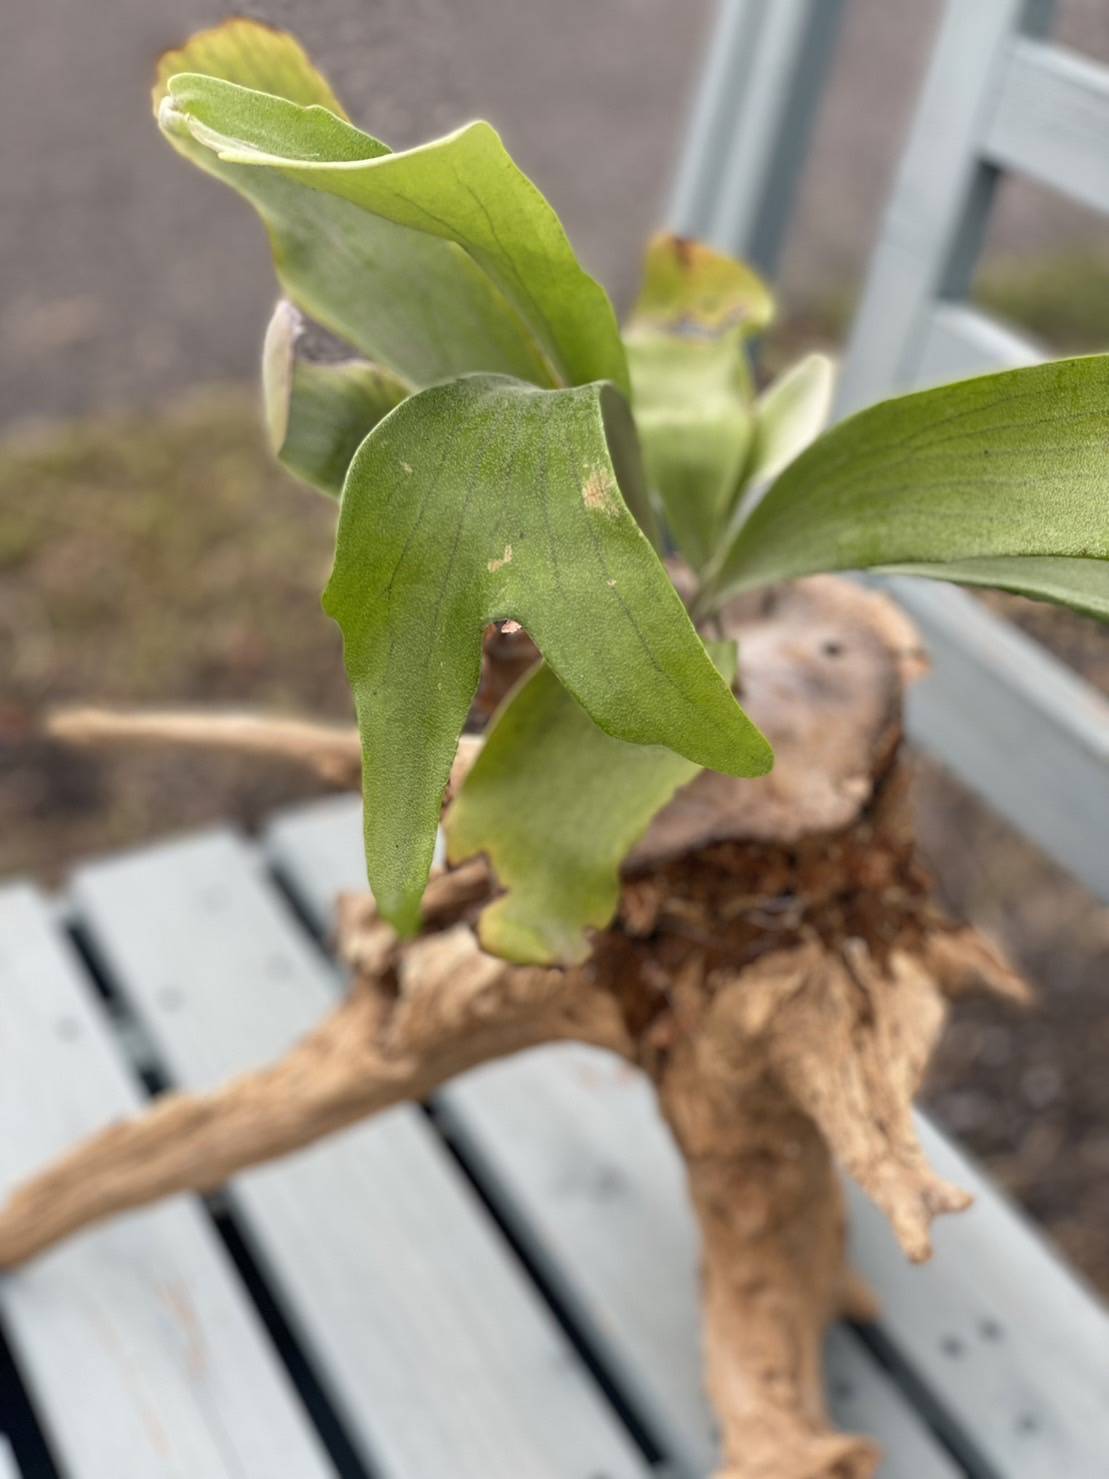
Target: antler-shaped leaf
[(1002, 480), (557, 805), (409, 301), (435, 261), (685, 342), (487, 498)]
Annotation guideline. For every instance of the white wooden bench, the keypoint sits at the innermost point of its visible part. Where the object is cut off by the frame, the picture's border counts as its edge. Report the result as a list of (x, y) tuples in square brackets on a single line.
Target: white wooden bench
[(1018, 727), (501, 1284)]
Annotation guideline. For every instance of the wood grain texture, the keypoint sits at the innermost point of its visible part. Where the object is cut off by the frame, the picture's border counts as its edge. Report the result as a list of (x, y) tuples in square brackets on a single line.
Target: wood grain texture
[(141, 1349), (434, 1347), (570, 1146)]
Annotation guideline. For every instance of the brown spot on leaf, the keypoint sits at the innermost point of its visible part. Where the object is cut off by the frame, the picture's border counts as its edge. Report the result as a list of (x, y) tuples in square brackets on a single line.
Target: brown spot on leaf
[(599, 493), (683, 249)]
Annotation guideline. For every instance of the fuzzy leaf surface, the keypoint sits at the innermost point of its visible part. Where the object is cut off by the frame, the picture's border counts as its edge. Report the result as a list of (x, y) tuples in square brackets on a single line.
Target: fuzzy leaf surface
[(317, 411), (556, 805), (408, 301), (685, 344), (478, 219), (482, 499), (1002, 479), (790, 414)]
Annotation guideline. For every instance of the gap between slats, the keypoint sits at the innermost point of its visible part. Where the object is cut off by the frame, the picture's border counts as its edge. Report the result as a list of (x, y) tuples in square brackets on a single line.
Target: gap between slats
[(659, 1450), (99, 899), (632, 1404), (29, 1452), (137, 1051)]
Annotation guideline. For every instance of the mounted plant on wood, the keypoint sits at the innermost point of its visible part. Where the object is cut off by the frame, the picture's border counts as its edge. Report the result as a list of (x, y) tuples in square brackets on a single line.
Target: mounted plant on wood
[(622, 869)]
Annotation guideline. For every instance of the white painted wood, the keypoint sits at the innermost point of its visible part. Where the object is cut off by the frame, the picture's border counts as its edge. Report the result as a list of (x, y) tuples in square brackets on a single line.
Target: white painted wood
[(1051, 121), (577, 1170), (1017, 726), (569, 1144), (959, 341), (428, 1337), (932, 228), (8, 1469), (727, 69), (317, 847), (751, 122), (1004, 715), (142, 1352), (1000, 711), (1017, 1345)]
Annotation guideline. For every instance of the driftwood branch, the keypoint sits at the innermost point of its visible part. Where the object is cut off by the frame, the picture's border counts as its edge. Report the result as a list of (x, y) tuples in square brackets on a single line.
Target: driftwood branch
[(807, 1059), (436, 1009), (777, 968), (331, 750)]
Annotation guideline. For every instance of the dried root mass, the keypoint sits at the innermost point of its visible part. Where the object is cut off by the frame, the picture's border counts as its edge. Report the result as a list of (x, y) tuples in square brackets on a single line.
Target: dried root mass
[(777, 968)]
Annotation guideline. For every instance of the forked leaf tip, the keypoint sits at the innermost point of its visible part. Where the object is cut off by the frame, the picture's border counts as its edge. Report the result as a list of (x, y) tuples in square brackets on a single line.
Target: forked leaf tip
[(690, 285)]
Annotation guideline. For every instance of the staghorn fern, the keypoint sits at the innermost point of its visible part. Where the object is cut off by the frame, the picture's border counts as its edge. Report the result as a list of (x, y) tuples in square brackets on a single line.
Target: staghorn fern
[(500, 450)]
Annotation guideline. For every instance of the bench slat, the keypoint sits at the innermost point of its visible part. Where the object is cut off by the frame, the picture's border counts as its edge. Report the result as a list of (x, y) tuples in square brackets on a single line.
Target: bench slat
[(740, 162), (1013, 723), (572, 1150), (960, 341), (142, 1352), (8, 1469), (435, 1348), (572, 1139), (1051, 119), (1015, 1343)]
